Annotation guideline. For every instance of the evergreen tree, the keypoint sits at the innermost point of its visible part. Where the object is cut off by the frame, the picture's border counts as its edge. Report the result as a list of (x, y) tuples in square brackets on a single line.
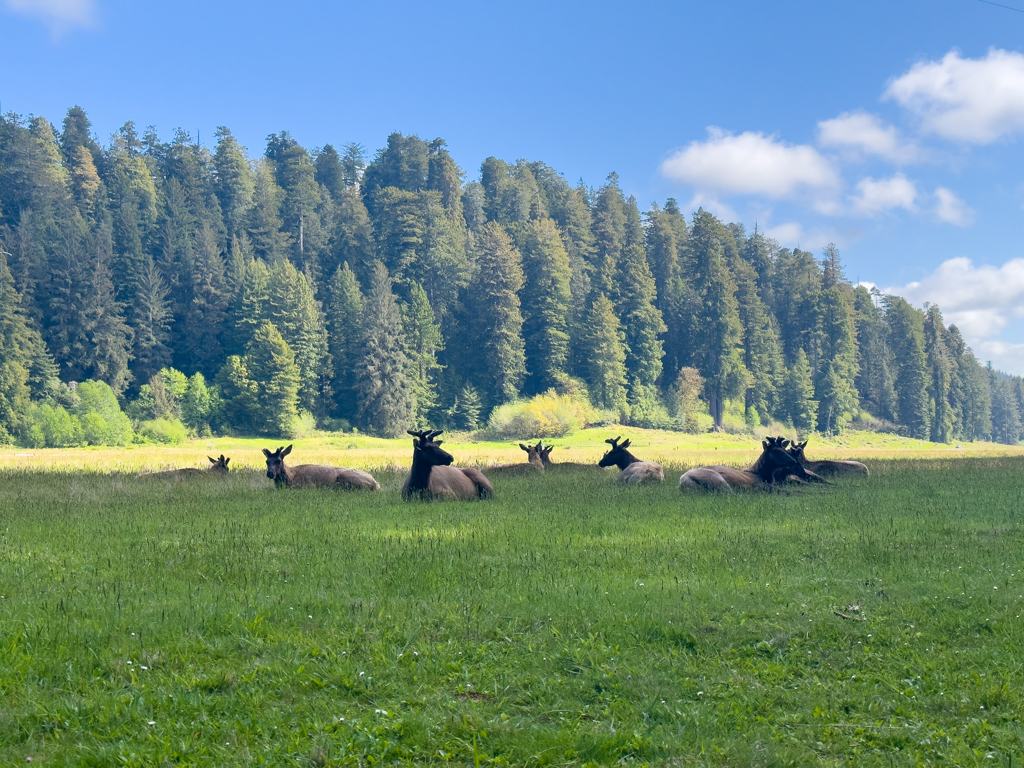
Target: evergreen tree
[(940, 368), (234, 182), (664, 228), (837, 369), (423, 342), (1006, 423), (251, 305), (14, 356), (641, 320), (547, 292), (606, 356), (494, 304), (445, 177), (970, 396), (296, 314), (717, 352), (196, 405), (798, 395), (264, 224), (152, 324), (762, 355), (609, 235), (270, 363), (385, 394), (906, 337), (874, 377), (204, 304), (345, 333)]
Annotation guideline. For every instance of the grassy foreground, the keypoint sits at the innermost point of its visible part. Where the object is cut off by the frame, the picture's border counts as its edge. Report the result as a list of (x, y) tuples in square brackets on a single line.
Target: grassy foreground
[(566, 622)]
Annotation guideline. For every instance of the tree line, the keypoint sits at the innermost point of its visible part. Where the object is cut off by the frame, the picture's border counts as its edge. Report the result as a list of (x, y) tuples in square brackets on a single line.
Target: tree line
[(393, 292)]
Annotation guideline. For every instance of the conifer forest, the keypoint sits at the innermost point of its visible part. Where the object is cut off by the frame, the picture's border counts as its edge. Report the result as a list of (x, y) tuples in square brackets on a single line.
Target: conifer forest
[(172, 286)]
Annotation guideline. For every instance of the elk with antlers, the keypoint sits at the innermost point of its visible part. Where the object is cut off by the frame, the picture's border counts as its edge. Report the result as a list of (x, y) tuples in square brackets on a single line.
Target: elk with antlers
[(634, 471), (218, 466), (315, 475), (532, 465), (826, 467), (773, 466), (433, 477)]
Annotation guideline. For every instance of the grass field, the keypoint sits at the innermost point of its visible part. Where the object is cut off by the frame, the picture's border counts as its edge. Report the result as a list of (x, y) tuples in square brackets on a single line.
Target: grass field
[(568, 621)]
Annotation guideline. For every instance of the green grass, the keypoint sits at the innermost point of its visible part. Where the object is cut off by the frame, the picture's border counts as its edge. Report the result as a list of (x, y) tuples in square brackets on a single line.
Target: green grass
[(569, 621)]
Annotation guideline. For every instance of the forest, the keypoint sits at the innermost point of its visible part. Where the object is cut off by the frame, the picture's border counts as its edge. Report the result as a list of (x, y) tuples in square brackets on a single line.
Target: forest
[(162, 288)]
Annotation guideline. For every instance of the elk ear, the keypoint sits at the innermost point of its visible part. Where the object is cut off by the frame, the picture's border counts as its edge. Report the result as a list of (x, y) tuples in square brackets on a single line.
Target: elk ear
[(266, 453), (525, 447), (226, 462), (764, 444), (785, 443), (626, 444), (286, 451)]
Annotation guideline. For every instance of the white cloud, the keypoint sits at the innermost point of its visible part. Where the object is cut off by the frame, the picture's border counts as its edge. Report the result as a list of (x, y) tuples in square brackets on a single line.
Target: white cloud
[(59, 15), (874, 197), (750, 163), (951, 209), (791, 234), (976, 100), (866, 134), (1005, 357), (980, 300)]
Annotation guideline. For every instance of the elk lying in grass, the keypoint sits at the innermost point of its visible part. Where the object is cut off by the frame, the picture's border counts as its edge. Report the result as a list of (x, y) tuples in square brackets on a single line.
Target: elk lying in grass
[(634, 471), (433, 477), (773, 466), (531, 466), (545, 457), (827, 468), (315, 475), (218, 466)]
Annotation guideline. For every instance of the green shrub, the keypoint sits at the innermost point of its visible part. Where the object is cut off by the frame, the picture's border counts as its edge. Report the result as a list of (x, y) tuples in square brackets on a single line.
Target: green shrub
[(165, 431), (647, 410), (48, 426), (546, 415), (303, 424), (100, 414)]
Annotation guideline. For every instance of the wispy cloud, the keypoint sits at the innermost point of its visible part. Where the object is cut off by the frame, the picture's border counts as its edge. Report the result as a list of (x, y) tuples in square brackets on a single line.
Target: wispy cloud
[(752, 164), (951, 209), (59, 15), (864, 134), (875, 197), (974, 100)]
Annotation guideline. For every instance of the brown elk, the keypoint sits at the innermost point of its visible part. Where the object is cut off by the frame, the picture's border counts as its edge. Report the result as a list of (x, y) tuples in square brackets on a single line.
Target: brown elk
[(545, 457), (531, 466), (315, 475), (773, 467), (433, 477), (634, 471), (826, 467), (219, 466)]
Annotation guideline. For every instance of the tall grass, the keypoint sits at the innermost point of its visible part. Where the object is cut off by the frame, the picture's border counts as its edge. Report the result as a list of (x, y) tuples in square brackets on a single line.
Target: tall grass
[(567, 621)]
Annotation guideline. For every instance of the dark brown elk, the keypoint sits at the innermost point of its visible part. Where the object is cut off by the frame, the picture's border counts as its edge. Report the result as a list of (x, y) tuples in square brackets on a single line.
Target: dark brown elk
[(315, 475), (531, 466), (218, 466), (825, 467), (634, 471), (433, 477), (773, 467), (545, 457)]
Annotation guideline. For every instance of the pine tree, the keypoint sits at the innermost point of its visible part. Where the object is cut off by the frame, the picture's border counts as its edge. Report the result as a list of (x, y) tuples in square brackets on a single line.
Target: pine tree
[(606, 357), (494, 304), (152, 324), (201, 326), (798, 395), (296, 314), (547, 293), (874, 377), (196, 405), (264, 221), (762, 355), (906, 338), (445, 177), (1006, 423), (663, 251), (234, 182), (252, 304), (14, 356), (270, 363), (423, 342), (345, 333), (609, 235), (385, 396), (641, 320), (836, 343), (970, 397), (940, 368)]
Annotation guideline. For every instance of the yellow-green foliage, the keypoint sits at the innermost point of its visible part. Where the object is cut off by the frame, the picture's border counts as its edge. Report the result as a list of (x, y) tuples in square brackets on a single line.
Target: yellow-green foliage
[(546, 415)]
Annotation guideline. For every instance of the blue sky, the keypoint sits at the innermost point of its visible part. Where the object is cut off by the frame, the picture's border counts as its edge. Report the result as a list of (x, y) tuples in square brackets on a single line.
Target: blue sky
[(890, 128)]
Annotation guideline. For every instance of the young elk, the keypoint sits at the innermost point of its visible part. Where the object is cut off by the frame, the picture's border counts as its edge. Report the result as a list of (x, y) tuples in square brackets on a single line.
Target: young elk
[(773, 466), (825, 467), (219, 467), (433, 477), (315, 475), (531, 466), (634, 471), (545, 456)]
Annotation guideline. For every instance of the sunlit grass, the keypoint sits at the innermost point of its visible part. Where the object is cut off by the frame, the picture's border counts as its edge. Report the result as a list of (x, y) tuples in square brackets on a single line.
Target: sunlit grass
[(567, 621)]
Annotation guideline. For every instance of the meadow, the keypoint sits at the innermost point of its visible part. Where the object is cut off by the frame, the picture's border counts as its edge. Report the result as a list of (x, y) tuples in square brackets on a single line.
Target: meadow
[(567, 621)]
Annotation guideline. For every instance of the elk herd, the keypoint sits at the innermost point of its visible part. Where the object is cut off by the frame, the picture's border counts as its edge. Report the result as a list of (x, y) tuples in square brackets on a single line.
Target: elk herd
[(433, 476)]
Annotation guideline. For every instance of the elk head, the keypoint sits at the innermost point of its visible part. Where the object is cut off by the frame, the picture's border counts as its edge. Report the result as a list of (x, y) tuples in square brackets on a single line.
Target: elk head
[(425, 448), (618, 455), (275, 464), (220, 464)]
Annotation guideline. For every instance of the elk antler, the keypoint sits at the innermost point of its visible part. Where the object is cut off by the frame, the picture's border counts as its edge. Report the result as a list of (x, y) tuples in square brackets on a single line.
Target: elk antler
[(614, 441)]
